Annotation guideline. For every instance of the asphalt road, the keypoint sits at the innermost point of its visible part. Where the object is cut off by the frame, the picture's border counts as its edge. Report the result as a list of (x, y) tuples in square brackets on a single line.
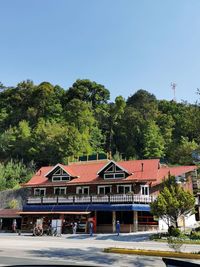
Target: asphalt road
[(79, 250)]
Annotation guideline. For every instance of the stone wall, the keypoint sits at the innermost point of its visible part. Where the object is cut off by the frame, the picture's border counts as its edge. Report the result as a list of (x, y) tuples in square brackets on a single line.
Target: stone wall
[(19, 194)]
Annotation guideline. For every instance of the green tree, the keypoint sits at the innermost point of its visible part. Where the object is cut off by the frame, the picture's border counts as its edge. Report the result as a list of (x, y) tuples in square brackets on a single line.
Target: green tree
[(153, 141), (13, 173), (53, 142), (116, 111), (172, 203), (182, 152), (88, 91), (128, 133), (145, 103)]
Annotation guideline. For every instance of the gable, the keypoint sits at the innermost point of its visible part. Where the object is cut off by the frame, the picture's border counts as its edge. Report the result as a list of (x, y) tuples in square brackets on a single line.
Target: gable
[(113, 171), (58, 174)]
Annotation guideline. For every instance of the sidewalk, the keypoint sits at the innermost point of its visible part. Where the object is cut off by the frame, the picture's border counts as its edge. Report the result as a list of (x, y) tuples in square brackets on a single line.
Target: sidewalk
[(139, 240)]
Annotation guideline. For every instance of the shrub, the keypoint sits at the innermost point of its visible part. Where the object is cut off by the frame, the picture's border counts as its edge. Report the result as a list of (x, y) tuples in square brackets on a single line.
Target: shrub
[(13, 204), (172, 231), (175, 243), (195, 235), (197, 229)]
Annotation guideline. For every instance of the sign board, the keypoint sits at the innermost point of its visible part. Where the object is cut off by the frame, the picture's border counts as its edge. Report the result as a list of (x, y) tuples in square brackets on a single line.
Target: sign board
[(56, 226)]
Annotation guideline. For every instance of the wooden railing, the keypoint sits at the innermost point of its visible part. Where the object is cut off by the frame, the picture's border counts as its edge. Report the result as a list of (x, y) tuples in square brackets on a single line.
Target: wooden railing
[(92, 199)]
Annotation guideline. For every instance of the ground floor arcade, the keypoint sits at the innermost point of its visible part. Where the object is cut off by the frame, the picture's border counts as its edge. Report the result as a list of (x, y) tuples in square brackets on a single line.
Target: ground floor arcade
[(104, 221)]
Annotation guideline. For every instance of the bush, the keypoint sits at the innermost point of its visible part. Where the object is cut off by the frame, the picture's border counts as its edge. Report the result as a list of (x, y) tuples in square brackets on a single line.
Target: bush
[(197, 229), (13, 204), (195, 235), (172, 231), (175, 243)]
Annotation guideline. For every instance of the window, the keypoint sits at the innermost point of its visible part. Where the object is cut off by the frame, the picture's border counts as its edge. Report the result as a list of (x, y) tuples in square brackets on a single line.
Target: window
[(114, 175), (82, 190), (145, 217), (113, 172), (123, 189), (110, 169), (104, 190), (39, 191), (60, 190), (125, 217), (144, 190), (104, 217), (60, 175)]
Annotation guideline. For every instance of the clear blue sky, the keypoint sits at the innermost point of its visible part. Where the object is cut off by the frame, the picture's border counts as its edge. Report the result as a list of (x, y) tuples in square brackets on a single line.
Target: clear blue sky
[(123, 44)]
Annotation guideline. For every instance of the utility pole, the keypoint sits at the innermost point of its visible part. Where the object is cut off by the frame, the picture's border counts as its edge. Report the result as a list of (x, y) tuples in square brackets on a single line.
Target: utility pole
[(173, 86)]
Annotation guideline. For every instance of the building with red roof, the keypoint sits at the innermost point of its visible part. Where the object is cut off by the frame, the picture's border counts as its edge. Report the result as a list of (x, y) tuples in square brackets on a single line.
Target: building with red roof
[(101, 191)]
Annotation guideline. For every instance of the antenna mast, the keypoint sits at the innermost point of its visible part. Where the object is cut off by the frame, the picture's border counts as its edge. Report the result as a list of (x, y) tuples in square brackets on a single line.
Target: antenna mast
[(173, 86)]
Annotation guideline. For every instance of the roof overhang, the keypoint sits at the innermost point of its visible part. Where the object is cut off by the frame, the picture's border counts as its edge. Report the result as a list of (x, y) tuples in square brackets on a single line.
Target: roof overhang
[(73, 209), (54, 212), (104, 182)]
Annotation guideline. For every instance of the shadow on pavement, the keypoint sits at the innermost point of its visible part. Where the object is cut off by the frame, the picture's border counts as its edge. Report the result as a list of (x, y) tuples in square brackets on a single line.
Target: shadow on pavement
[(95, 257), (113, 237)]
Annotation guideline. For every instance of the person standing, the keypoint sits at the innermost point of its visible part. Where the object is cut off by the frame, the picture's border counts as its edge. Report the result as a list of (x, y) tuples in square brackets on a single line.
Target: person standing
[(74, 228), (91, 226), (118, 228), (14, 226)]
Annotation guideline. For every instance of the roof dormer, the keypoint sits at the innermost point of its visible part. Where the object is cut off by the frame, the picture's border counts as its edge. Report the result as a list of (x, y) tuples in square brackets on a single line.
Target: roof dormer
[(59, 174), (112, 170)]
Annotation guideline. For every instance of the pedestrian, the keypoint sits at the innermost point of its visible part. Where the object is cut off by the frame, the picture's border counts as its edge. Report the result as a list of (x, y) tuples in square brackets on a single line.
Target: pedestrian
[(74, 228), (14, 226), (91, 226), (118, 228)]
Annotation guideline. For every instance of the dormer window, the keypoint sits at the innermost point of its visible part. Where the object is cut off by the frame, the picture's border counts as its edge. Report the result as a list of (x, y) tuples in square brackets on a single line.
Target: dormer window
[(113, 171), (114, 175), (60, 175)]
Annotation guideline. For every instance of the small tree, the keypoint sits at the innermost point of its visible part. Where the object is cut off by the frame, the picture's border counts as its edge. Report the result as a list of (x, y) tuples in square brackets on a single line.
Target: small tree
[(13, 204), (173, 202)]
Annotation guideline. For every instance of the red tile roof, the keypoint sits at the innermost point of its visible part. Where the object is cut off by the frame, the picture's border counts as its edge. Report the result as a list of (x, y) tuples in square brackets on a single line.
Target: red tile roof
[(9, 213), (86, 173)]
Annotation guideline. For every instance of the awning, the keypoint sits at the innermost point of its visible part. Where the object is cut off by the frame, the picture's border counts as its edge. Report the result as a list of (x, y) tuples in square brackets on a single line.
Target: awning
[(9, 213), (86, 207), (54, 212)]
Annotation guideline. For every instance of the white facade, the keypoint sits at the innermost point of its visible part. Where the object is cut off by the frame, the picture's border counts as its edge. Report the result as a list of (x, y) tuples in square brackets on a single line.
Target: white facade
[(186, 222)]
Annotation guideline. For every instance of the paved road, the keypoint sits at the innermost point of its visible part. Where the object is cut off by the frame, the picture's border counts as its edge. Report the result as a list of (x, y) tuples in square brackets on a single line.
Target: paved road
[(79, 250)]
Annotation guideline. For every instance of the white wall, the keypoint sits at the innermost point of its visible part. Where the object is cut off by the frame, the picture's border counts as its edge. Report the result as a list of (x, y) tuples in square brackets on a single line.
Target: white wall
[(190, 222)]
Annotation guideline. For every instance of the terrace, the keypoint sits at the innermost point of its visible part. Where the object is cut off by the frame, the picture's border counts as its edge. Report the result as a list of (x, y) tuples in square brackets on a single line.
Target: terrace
[(92, 199)]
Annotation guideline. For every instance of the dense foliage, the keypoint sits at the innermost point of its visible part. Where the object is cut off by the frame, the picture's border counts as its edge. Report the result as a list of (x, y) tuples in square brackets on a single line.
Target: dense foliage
[(172, 203), (47, 124)]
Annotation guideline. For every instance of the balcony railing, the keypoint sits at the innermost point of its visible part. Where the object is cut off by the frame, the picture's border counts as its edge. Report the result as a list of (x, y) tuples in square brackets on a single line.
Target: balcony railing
[(92, 199)]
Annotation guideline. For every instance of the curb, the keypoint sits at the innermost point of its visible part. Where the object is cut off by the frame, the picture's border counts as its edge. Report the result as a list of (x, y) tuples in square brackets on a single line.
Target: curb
[(155, 253)]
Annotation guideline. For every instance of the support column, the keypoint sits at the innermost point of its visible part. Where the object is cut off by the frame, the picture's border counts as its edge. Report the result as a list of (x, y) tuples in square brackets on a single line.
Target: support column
[(135, 221), (114, 221)]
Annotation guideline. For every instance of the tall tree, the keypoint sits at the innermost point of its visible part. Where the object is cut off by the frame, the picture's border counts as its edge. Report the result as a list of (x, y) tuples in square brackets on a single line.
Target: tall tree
[(144, 102), (116, 111), (153, 141), (182, 152), (88, 91), (172, 203)]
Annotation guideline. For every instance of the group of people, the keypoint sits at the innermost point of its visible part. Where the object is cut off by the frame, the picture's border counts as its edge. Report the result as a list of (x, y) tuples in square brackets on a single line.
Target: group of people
[(91, 228)]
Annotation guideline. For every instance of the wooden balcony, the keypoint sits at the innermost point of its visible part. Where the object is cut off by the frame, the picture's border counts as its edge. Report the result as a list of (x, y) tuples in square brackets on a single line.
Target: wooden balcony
[(92, 199)]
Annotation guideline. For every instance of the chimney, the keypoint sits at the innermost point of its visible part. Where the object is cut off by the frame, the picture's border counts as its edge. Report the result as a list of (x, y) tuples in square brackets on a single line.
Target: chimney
[(142, 166)]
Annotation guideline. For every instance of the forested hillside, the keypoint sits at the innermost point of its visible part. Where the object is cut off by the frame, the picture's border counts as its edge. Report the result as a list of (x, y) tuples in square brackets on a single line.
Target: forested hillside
[(45, 124)]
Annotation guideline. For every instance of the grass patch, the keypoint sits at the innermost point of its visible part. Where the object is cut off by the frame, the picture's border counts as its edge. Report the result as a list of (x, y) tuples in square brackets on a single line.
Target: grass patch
[(185, 241), (154, 253)]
